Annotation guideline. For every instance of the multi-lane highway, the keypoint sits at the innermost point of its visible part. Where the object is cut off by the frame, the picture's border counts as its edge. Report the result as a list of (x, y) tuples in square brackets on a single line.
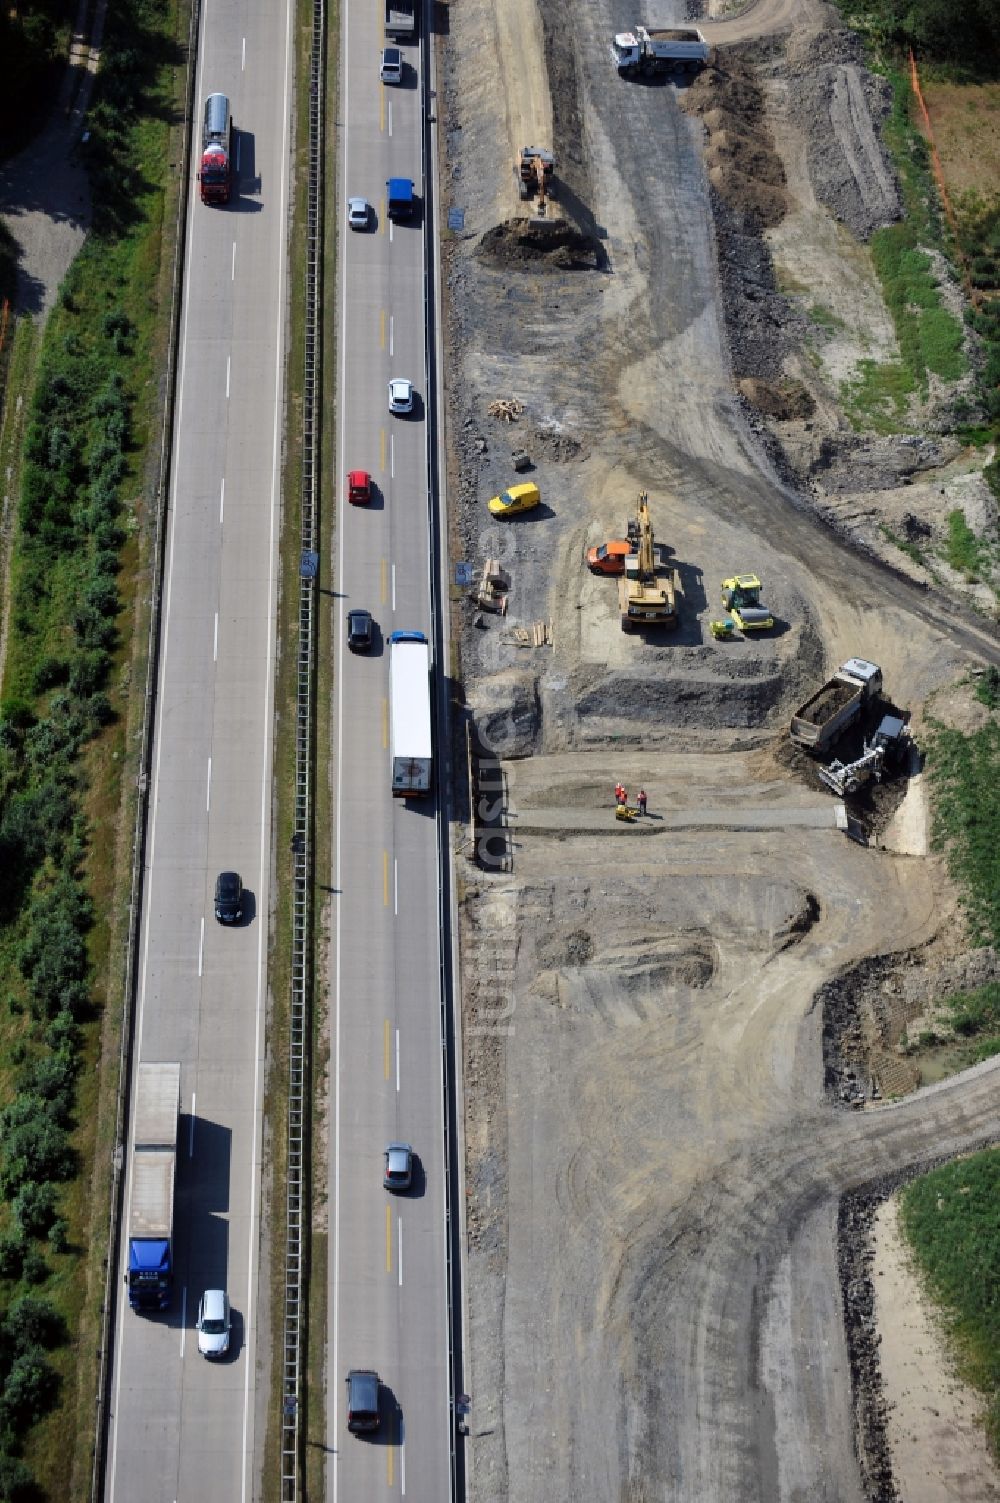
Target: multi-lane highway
[(182, 1427), (388, 1293)]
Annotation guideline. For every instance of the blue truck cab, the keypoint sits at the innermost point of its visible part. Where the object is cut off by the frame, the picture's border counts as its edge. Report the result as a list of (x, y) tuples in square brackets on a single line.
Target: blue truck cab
[(400, 201)]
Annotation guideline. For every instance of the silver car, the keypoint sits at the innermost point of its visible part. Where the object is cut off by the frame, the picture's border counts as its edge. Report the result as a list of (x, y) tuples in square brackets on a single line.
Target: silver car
[(400, 395), (213, 1323), (358, 211), (398, 1173)]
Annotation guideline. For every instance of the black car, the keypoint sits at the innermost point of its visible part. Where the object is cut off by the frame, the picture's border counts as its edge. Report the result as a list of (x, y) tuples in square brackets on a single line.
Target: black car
[(360, 630), (362, 1400), (228, 897)]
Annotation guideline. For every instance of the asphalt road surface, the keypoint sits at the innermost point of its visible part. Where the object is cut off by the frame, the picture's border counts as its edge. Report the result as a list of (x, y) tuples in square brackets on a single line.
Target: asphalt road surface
[(181, 1427), (387, 1295)]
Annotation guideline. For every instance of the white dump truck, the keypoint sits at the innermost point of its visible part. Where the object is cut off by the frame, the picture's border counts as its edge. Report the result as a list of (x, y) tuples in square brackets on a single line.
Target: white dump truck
[(828, 713), (674, 49)]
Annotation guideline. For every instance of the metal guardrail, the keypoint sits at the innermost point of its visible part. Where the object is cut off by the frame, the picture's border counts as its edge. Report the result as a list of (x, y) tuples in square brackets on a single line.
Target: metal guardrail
[(296, 1227), (143, 776)]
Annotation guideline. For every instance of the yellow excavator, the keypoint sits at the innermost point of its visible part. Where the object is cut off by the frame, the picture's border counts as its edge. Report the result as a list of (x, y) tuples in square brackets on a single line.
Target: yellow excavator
[(649, 588), (535, 169)]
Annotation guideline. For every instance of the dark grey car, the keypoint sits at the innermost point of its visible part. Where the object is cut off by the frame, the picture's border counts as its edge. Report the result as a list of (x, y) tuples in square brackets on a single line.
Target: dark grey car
[(398, 1174)]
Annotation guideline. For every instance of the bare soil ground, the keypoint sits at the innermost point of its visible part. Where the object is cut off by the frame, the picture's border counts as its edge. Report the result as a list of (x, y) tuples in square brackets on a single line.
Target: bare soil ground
[(657, 1139)]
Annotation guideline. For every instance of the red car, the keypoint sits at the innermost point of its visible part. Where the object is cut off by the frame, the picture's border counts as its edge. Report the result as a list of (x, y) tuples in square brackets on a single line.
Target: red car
[(609, 558), (359, 487)]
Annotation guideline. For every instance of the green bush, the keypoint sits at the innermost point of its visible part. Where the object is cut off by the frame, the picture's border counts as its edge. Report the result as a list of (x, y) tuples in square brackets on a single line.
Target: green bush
[(988, 687), (34, 1208), (32, 1322), (34, 1270), (59, 1235), (30, 1390), (16, 1483), (12, 1253), (52, 1078), (35, 1146)]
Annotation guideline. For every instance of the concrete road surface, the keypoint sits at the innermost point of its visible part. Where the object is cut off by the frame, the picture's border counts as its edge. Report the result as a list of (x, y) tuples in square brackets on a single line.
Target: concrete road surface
[(387, 1295), (181, 1427)]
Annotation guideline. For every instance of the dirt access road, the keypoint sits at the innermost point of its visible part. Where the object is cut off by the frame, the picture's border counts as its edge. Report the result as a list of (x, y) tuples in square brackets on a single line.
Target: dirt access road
[(654, 1170)]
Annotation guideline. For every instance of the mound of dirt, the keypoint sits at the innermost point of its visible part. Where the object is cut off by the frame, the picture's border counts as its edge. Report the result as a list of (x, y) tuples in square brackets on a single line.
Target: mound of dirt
[(782, 400), (743, 166), (554, 244), (553, 951), (662, 705)]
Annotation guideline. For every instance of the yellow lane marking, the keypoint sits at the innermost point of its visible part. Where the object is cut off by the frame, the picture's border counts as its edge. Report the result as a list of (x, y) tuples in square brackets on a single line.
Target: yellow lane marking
[(389, 1450)]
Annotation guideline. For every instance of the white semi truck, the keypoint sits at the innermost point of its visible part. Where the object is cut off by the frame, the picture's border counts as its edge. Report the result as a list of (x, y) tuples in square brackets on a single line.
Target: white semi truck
[(674, 49), (410, 714)]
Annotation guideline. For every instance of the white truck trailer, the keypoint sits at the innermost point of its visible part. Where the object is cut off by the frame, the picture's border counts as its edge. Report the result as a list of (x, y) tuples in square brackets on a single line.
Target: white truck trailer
[(641, 52), (150, 1272), (410, 714)]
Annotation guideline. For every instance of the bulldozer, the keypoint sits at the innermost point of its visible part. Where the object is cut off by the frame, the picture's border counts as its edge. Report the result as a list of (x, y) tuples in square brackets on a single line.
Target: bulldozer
[(648, 589), (741, 598), (535, 170)]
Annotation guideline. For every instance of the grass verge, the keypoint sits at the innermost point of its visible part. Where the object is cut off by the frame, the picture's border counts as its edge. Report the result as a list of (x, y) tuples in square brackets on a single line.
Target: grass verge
[(312, 1413), (964, 777), (951, 1218), (930, 338)]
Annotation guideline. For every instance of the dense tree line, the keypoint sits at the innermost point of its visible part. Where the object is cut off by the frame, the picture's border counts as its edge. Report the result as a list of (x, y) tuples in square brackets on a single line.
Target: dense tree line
[(966, 32), (32, 44)]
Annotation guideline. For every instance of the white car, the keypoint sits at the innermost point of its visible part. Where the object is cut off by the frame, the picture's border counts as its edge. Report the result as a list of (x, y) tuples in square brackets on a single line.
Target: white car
[(213, 1323), (400, 395), (358, 211), (391, 67)]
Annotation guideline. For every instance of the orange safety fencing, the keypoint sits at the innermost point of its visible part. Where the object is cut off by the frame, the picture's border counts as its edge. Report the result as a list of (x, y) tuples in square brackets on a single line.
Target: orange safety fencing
[(938, 171)]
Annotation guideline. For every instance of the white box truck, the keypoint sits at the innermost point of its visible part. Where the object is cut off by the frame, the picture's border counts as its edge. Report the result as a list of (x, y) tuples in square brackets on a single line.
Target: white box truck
[(410, 714)]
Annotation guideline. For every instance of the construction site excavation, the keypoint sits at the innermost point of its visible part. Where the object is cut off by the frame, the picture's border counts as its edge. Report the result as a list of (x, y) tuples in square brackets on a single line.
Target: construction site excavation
[(702, 915)]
